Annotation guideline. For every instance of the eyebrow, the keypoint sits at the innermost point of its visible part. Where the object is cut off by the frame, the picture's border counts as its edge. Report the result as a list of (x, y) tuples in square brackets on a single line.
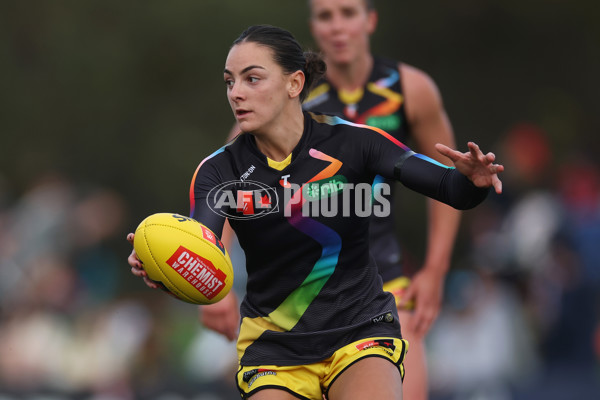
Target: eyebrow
[(248, 68)]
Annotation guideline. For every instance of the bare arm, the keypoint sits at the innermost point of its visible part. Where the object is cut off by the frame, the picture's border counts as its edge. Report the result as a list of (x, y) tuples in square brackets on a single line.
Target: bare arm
[(429, 125)]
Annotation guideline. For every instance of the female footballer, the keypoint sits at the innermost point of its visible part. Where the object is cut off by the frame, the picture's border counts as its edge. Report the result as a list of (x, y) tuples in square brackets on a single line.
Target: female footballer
[(315, 319)]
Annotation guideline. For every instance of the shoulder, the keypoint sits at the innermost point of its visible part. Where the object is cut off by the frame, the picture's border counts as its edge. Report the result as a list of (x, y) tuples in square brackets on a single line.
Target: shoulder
[(218, 156), (346, 133), (421, 93), (223, 158), (417, 82), (331, 124)]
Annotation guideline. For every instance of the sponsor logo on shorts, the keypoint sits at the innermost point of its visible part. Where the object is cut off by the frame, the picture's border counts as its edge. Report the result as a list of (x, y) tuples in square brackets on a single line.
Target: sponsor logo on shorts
[(386, 344), (198, 271), (251, 376)]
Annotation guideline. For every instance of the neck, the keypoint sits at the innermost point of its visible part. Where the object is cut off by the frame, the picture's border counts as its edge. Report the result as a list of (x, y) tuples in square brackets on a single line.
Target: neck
[(350, 76), (279, 140)]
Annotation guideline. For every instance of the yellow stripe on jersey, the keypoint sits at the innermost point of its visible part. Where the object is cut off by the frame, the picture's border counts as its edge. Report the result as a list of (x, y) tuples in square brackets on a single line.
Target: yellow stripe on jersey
[(279, 165), (384, 92), (350, 96), (318, 91), (250, 330)]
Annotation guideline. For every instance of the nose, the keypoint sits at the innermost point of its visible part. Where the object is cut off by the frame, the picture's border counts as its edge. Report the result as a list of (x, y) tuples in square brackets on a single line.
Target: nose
[(337, 22), (235, 92)]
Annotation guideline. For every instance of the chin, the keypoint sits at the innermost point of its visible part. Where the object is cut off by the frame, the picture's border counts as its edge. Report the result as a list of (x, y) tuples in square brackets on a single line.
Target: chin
[(341, 59), (246, 126)]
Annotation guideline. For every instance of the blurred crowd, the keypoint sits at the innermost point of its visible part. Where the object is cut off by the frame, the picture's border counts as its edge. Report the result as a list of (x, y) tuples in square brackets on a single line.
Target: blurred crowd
[(74, 323), (521, 316)]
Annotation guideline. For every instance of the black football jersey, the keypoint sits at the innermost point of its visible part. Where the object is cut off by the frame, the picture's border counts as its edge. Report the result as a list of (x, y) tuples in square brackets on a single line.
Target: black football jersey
[(313, 285), (380, 103)]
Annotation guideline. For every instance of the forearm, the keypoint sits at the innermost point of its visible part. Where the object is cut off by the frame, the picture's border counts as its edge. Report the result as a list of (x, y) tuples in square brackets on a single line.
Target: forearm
[(438, 182), (227, 235), (443, 224)]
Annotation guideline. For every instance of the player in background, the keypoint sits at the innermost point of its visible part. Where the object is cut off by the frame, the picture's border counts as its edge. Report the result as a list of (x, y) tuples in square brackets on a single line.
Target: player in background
[(405, 102)]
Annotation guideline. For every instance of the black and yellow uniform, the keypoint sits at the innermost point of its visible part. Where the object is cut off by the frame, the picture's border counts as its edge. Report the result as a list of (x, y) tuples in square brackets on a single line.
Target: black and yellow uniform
[(380, 103), (312, 286)]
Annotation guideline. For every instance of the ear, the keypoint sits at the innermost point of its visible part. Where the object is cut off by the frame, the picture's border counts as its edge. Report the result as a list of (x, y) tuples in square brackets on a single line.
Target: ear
[(372, 19), (295, 83)]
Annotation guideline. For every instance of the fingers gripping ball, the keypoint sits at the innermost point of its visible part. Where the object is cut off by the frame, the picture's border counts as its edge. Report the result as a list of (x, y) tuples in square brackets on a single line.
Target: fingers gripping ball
[(186, 257)]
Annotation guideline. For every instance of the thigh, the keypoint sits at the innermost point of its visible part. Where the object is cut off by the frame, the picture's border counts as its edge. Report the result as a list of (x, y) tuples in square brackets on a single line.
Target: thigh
[(415, 382), (385, 354), (368, 378)]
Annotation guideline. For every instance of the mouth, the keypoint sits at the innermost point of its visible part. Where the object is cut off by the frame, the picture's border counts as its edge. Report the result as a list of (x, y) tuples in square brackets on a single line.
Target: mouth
[(339, 44), (240, 113)]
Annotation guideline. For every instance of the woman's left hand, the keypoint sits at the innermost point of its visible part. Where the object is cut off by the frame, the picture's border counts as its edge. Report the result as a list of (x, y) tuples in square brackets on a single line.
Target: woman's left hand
[(475, 165)]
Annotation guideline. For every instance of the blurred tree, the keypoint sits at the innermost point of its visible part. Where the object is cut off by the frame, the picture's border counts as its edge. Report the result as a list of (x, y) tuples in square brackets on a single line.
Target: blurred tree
[(129, 94)]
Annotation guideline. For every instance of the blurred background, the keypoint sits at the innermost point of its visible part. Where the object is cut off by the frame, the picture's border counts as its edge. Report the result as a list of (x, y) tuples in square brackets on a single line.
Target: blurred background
[(107, 107)]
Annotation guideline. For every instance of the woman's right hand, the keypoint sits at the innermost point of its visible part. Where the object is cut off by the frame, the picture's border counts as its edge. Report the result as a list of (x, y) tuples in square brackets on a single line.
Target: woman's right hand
[(222, 317), (137, 268)]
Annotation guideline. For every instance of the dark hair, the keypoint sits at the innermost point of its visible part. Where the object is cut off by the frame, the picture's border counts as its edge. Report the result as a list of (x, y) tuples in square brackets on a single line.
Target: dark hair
[(287, 53)]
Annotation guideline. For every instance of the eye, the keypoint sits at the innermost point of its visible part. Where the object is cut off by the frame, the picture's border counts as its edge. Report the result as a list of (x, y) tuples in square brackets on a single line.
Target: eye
[(229, 82), (253, 79), (324, 16), (349, 12)]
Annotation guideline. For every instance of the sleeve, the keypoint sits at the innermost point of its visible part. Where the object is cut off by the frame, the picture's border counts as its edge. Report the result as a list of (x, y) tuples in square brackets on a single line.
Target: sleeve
[(206, 178), (390, 158), (424, 175)]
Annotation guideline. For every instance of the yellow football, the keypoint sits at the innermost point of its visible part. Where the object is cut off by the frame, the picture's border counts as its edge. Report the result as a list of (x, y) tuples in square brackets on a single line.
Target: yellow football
[(184, 257)]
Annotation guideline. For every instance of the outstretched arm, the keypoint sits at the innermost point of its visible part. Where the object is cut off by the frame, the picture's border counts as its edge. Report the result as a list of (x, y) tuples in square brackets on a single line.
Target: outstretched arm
[(437, 181), (478, 167)]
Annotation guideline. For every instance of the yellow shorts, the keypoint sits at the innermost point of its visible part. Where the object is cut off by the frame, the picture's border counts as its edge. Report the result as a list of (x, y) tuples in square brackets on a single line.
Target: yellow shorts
[(397, 287), (312, 380)]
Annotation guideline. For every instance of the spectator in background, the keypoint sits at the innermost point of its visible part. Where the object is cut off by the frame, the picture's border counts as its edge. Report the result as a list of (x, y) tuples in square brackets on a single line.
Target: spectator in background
[(481, 347), (540, 240), (63, 326)]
